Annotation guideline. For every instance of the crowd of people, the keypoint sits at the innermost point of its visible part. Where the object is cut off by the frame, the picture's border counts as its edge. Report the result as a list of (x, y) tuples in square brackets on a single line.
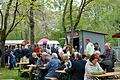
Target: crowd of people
[(77, 65)]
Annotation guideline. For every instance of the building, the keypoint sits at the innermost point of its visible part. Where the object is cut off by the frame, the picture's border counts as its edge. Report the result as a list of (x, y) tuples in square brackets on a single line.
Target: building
[(80, 37)]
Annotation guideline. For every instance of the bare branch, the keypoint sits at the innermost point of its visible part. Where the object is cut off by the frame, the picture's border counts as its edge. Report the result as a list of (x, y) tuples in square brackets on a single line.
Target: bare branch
[(6, 15), (87, 2), (83, 4), (10, 30), (14, 18), (81, 7), (1, 20), (71, 21)]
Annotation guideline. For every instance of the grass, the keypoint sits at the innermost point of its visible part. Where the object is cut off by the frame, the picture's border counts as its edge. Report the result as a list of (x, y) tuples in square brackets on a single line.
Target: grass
[(9, 74)]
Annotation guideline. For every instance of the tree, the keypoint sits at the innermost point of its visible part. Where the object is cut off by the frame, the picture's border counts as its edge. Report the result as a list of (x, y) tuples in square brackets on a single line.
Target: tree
[(73, 24), (6, 27), (31, 22)]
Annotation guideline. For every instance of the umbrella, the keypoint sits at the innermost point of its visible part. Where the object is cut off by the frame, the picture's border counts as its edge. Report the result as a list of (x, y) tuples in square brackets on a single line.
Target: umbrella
[(43, 41)]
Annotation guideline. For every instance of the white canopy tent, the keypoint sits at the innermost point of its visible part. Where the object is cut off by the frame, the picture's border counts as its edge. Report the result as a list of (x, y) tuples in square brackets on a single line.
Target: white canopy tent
[(14, 42), (53, 42)]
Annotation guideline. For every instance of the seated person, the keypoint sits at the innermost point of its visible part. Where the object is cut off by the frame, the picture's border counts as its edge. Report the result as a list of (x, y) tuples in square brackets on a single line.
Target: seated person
[(76, 56), (41, 62), (84, 57), (52, 66), (106, 64), (33, 60), (24, 58), (92, 67), (65, 63), (43, 59), (78, 69), (60, 55)]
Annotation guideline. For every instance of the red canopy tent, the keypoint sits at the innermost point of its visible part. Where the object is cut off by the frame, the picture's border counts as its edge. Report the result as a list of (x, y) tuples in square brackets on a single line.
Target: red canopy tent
[(43, 41), (116, 35)]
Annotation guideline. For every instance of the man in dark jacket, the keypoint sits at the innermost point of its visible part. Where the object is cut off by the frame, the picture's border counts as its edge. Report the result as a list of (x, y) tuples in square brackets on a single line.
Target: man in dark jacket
[(78, 69), (110, 54), (106, 64), (53, 50)]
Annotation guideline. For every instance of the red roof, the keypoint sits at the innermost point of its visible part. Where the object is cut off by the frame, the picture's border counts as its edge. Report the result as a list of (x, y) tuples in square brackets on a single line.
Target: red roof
[(116, 35)]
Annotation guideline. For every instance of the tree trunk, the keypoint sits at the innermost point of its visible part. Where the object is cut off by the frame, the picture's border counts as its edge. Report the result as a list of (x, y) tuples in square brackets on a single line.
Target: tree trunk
[(31, 24), (2, 47), (71, 25), (63, 22)]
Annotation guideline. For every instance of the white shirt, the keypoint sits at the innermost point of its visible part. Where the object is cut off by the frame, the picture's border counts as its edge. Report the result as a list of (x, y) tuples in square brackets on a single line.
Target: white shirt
[(89, 48)]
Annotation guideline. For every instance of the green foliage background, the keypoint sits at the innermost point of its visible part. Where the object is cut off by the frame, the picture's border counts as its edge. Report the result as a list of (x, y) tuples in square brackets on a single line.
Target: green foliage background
[(99, 15)]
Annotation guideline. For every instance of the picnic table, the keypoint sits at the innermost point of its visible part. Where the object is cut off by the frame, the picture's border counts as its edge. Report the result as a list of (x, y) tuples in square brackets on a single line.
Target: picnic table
[(41, 67), (31, 65), (107, 74), (23, 63), (21, 67), (60, 71)]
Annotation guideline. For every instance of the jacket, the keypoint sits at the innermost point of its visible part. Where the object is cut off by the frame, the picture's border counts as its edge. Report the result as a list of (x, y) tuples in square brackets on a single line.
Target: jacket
[(78, 70), (52, 65), (112, 56), (91, 69)]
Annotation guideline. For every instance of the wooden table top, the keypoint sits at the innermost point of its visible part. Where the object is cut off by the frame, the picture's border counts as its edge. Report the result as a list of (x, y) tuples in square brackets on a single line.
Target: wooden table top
[(42, 67), (31, 65), (60, 71), (51, 78), (23, 63), (107, 74)]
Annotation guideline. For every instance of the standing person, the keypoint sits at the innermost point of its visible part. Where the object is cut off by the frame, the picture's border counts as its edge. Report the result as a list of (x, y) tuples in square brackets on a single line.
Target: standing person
[(16, 53), (53, 50), (7, 53), (92, 67), (12, 60), (89, 50), (37, 50), (66, 50), (97, 48), (110, 53)]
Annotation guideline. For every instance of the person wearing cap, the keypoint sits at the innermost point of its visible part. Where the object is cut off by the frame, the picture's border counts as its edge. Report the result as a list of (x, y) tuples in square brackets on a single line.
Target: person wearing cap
[(52, 66)]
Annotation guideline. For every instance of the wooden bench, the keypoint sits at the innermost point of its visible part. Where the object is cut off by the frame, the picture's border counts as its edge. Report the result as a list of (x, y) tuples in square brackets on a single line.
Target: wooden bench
[(50, 78), (24, 70)]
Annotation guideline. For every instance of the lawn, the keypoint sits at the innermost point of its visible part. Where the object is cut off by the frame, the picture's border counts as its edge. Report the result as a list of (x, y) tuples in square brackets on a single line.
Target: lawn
[(9, 74)]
